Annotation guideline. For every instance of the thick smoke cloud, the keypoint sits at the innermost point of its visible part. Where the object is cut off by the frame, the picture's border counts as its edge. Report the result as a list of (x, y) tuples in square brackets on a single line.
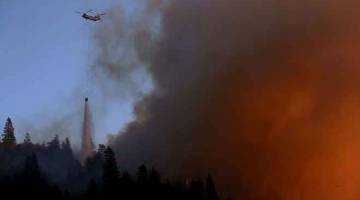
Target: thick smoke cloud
[(262, 94)]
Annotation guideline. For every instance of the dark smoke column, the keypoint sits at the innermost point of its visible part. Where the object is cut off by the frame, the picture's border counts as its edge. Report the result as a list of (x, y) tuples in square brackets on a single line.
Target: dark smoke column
[(87, 146)]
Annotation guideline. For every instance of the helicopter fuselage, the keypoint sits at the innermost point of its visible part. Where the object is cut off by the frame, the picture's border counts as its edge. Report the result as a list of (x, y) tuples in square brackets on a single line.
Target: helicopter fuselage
[(90, 17)]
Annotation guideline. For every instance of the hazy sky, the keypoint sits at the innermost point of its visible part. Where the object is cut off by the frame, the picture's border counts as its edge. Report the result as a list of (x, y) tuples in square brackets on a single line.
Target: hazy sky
[(45, 49)]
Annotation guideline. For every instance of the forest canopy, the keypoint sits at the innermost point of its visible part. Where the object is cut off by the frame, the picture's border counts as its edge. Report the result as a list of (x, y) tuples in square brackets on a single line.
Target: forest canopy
[(51, 170)]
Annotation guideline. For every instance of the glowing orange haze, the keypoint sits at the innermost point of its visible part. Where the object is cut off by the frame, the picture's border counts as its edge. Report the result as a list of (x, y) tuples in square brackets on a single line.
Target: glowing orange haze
[(303, 120), (266, 96)]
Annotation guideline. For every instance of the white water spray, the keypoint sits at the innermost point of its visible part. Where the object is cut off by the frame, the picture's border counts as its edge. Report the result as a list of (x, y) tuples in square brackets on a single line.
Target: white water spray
[(87, 146)]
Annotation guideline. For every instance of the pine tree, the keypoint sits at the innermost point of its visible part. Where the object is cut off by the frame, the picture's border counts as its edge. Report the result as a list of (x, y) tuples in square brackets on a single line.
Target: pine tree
[(8, 137), (210, 189), (196, 190), (154, 186), (101, 149), (66, 145), (92, 190), (31, 168), (154, 177), (27, 139), (110, 171), (142, 183), (142, 175), (54, 144)]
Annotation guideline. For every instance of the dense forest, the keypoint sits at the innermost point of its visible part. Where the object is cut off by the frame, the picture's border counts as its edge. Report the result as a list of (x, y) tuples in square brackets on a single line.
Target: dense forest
[(50, 170)]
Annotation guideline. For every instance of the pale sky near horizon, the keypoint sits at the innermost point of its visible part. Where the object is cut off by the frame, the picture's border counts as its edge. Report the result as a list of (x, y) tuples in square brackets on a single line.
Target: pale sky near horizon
[(44, 53)]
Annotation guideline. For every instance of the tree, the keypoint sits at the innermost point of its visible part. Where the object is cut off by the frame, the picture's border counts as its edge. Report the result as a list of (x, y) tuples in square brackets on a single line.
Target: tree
[(101, 149), (31, 168), (92, 190), (66, 148), (142, 184), (30, 181), (66, 145), (210, 189), (54, 144), (154, 177), (8, 137), (142, 175), (127, 186), (27, 139), (110, 170), (196, 190), (154, 186)]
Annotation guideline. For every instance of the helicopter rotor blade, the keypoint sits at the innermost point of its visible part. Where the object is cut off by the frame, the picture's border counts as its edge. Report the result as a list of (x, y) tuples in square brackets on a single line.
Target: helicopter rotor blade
[(78, 12)]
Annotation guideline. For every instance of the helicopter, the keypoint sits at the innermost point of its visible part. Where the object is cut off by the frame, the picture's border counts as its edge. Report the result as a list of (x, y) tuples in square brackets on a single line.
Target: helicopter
[(87, 16)]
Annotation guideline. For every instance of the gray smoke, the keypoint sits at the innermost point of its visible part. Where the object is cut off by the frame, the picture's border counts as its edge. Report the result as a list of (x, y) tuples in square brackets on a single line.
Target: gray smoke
[(262, 94)]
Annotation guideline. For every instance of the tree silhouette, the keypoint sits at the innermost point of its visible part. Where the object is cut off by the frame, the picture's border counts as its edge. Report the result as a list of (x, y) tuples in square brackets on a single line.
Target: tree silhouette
[(101, 149), (66, 145), (210, 189), (126, 185), (110, 170), (142, 183), (92, 191), (196, 190), (54, 144), (154, 178), (31, 168), (27, 139), (154, 186), (142, 175), (8, 137)]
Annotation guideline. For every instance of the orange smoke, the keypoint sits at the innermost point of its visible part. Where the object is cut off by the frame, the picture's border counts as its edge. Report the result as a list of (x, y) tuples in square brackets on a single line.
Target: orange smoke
[(263, 94), (299, 121)]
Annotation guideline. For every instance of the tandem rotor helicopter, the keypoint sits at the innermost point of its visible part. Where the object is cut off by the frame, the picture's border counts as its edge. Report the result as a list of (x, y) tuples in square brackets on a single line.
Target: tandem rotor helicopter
[(86, 16)]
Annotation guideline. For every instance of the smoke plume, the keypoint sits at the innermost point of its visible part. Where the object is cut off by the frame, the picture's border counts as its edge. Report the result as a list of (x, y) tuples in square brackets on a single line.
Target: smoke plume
[(263, 94)]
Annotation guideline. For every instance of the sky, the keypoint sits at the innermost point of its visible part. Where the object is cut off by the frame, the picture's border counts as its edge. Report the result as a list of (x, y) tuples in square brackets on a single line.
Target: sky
[(45, 51)]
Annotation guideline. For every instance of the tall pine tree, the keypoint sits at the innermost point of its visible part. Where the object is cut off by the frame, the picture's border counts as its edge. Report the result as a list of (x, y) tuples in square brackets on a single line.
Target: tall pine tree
[(66, 148), (8, 137), (142, 175), (54, 144), (101, 149), (31, 168), (111, 171), (210, 189), (66, 145)]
